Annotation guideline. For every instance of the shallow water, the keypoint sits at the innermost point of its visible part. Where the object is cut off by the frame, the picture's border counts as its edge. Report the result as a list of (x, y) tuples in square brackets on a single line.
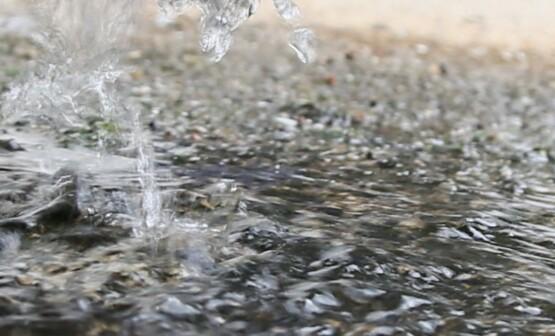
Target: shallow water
[(410, 195)]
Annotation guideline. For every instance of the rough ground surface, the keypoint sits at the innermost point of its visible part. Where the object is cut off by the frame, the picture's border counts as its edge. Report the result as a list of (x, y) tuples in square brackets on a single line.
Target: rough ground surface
[(389, 189)]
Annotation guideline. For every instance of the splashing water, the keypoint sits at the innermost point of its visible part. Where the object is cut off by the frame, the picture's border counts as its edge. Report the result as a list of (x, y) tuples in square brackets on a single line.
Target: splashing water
[(151, 202), (220, 18), (76, 76), (76, 79)]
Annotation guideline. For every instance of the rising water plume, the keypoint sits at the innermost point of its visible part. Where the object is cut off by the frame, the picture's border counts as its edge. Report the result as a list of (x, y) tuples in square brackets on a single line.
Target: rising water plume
[(82, 40), (76, 78)]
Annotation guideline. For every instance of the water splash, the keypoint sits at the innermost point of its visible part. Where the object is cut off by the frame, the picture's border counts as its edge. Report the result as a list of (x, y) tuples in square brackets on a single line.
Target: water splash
[(153, 224), (302, 42), (287, 10), (76, 78), (220, 18)]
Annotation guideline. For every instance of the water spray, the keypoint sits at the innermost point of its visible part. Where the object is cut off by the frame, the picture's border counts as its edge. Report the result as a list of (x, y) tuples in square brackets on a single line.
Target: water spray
[(76, 78)]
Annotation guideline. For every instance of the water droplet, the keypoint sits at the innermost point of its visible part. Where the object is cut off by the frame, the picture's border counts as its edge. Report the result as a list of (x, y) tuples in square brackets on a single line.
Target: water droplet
[(302, 41)]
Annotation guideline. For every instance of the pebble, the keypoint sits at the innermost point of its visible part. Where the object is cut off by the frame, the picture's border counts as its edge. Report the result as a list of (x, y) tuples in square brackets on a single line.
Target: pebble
[(177, 309), (413, 223), (312, 308), (25, 280), (286, 123), (529, 310), (10, 145)]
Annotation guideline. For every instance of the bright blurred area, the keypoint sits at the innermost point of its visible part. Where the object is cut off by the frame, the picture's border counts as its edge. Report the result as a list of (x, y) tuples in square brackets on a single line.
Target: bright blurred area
[(512, 24)]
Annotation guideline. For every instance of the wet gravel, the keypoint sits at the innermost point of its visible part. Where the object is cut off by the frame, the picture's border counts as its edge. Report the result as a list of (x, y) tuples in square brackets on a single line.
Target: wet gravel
[(390, 188)]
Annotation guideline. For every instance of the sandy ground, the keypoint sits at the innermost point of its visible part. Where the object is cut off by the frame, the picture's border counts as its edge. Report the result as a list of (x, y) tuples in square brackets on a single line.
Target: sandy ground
[(512, 24)]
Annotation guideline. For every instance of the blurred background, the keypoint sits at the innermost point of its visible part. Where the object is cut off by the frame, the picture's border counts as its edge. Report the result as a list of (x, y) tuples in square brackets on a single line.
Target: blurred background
[(513, 24)]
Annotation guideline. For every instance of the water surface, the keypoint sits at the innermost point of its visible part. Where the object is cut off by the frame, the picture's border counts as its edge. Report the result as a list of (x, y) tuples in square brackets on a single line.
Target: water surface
[(374, 193)]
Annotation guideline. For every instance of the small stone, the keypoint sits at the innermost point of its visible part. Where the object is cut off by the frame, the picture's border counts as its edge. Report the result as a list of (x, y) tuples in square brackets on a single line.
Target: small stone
[(286, 123), (352, 269), (438, 69), (412, 224), (20, 266), (363, 295), (177, 309), (330, 80), (387, 163), (137, 75), (312, 308), (284, 136), (199, 130), (10, 145), (410, 302), (181, 155), (25, 280), (358, 117), (381, 331), (465, 277), (55, 269), (205, 203), (422, 49), (529, 310), (135, 54), (326, 299)]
